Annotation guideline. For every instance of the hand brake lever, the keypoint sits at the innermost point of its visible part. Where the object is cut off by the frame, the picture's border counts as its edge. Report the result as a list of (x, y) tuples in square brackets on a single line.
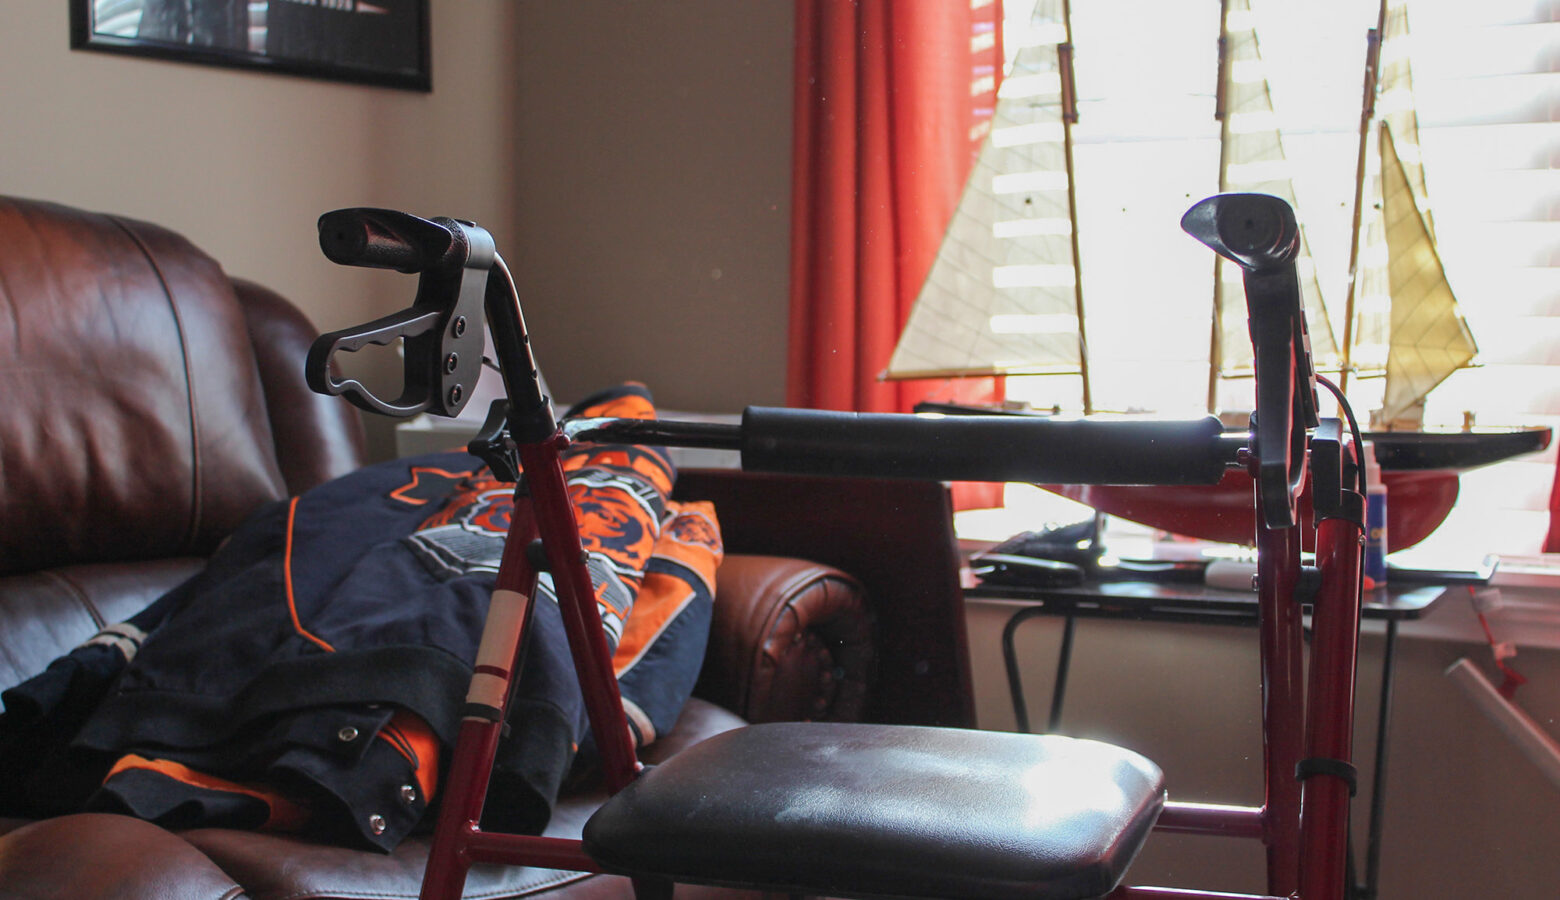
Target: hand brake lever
[(1258, 232), (442, 330)]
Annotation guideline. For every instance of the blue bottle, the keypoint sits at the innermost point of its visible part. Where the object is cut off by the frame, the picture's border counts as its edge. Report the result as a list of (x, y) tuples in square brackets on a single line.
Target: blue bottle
[(1375, 566)]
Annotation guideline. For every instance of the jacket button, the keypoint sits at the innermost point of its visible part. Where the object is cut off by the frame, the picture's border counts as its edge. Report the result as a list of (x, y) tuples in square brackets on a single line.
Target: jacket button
[(376, 824), (408, 794), (347, 734)]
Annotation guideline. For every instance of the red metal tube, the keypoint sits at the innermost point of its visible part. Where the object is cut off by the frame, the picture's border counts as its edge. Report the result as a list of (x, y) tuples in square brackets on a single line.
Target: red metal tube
[(1335, 625), (577, 601), (1281, 639), (528, 850), (471, 762), (461, 808), (1211, 819)]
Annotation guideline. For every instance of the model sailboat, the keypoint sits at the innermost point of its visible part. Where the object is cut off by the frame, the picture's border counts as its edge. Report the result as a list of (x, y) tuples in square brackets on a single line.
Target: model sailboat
[(1402, 318), (1004, 295), (1402, 322)]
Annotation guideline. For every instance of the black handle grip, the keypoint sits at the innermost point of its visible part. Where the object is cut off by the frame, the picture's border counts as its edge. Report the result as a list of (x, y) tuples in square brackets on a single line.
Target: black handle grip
[(407, 323), (442, 329), (1256, 231), (984, 448), (383, 239), (1259, 233)]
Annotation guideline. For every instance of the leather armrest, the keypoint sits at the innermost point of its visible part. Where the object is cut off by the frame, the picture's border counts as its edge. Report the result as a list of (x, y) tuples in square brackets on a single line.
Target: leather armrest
[(895, 536), (790, 640)]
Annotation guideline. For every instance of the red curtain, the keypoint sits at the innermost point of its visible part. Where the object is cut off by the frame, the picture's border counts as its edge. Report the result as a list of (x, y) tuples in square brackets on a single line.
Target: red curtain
[(892, 98)]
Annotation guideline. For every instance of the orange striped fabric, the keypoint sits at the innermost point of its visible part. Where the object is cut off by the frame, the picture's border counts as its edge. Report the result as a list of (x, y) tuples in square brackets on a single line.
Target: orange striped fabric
[(691, 541), (285, 814)]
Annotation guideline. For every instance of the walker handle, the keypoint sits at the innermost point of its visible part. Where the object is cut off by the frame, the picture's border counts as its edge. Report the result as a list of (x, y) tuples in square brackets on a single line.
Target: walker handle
[(442, 330), (1259, 233)]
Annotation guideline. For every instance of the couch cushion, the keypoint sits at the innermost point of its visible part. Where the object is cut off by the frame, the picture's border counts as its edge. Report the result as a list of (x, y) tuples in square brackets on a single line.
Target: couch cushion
[(319, 871), (135, 425), (43, 615), (93, 856)]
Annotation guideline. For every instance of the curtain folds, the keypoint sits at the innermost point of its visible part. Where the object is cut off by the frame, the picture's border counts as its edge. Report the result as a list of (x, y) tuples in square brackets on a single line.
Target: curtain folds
[(892, 99)]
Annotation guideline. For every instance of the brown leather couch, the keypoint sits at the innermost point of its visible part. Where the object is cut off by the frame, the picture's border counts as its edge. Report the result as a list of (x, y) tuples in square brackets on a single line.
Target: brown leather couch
[(150, 402)]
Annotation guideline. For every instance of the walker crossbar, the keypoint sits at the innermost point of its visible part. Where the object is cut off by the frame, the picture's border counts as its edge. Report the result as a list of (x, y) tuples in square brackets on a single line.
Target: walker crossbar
[(938, 448), (1303, 823)]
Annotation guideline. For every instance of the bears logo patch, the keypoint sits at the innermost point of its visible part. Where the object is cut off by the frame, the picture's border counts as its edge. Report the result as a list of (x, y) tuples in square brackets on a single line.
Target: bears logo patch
[(467, 533)]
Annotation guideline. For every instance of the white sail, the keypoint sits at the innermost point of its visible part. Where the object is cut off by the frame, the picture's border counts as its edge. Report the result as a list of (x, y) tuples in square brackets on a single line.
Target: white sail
[(1003, 295), (1251, 159), (1429, 338), (1406, 321)]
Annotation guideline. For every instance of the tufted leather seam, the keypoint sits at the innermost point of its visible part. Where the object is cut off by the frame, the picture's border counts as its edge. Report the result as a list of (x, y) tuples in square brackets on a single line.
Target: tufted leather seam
[(192, 525), (233, 893), (794, 587), (80, 596), (761, 653)]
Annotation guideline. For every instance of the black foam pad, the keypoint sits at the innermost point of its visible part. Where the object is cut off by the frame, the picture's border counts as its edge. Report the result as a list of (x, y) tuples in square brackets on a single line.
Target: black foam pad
[(846, 809)]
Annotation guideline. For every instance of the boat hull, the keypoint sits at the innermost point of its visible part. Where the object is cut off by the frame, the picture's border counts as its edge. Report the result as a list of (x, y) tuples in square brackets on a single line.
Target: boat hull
[(1419, 501), (1455, 450), (1420, 469)]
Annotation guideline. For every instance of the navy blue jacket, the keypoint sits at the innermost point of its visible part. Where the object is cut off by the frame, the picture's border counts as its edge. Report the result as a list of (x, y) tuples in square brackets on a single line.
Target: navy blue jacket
[(286, 685)]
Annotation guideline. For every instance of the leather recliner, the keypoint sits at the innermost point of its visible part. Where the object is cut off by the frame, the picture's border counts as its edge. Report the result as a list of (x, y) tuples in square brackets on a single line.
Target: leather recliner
[(148, 403)]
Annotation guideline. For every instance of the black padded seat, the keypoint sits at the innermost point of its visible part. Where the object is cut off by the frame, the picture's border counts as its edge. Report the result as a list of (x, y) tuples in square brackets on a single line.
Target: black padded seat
[(853, 810)]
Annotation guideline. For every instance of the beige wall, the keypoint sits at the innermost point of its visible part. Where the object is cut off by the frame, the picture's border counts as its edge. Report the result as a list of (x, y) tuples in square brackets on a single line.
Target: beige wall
[(653, 193), (632, 159), (244, 162)]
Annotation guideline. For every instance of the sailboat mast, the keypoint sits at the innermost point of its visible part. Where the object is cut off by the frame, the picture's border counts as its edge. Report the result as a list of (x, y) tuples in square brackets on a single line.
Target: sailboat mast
[(1367, 116), (1221, 113), (1064, 60)]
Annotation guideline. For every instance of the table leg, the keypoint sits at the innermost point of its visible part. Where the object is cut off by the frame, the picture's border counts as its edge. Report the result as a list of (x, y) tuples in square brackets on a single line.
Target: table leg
[(1063, 664), (1015, 678), (1379, 770)]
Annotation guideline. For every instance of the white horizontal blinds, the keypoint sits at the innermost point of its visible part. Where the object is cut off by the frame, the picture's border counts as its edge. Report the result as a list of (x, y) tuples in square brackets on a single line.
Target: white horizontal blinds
[(1145, 148), (985, 60), (1487, 84), (1001, 296), (1395, 107), (1252, 159)]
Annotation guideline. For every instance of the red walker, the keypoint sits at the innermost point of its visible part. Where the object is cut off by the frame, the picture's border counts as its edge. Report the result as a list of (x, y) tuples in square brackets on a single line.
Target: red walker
[(869, 810)]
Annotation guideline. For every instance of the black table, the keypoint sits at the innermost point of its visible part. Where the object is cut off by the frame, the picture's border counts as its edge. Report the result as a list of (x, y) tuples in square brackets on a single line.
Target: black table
[(1199, 604)]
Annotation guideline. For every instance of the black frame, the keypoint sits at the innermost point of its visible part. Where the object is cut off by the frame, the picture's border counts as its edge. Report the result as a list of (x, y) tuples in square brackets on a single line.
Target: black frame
[(394, 53)]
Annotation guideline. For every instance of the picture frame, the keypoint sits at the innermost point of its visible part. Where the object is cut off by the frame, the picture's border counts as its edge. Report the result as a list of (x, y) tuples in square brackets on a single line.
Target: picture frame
[(375, 42)]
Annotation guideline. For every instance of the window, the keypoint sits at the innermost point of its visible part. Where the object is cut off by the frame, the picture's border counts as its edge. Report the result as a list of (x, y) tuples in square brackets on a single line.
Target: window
[(1486, 86)]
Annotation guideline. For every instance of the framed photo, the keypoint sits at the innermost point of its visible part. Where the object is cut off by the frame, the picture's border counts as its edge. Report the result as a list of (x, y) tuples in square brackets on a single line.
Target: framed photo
[(383, 42)]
